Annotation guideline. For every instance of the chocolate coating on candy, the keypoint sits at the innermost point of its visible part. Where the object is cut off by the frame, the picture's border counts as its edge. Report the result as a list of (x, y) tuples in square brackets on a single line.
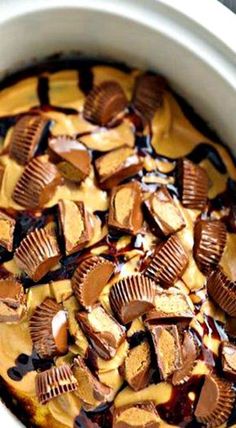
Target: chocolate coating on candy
[(209, 243), (194, 183), (103, 331), (169, 263), (37, 253), (54, 382), (163, 214), (90, 278), (131, 297), (90, 390), (223, 291), (116, 166), (228, 360), (7, 227), (75, 226), (170, 305), (48, 329), (104, 103), (168, 351), (140, 415), (74, 159), (125, 212), (37, 184), (137, 366), (11, 300), (189, 355), (148, 94), (26, 137), (216, 402)]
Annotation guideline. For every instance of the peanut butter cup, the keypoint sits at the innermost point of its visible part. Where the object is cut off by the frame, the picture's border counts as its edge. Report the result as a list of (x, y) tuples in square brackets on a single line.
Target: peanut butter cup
[(54, 382), (90, 390), (116, 166), (7, 227), (137, 366), (74, 224), (131, 297), (26, 137), (104, 332), (104, 103), (169, 263), (37, 253), (189, 356), (170, 305), (37, 184), (148, 94), (167, 347), (74, 159), (223, 291), (193, 182), (209, 243), (163, 214), (216, 401), (228, 360), (11, 300), (90, 278), (48, 329), (125, 212), (140, 415)]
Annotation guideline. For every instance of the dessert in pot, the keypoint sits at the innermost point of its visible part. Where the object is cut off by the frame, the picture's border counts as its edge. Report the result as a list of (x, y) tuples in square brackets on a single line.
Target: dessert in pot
[(117, 252)]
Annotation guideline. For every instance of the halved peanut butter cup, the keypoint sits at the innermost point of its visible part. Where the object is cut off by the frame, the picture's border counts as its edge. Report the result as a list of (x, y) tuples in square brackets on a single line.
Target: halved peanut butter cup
[(104, 103), (37, 184), (48, 329), (90, 278), (131, 297), (137, 366), (223, 291), (209, 243), (26, 137), (148, 94), (7, 227), (90, 390), (193, 182), (12, 300), (54, 382), (140, 415), (37, 253), (216, 401), (169, 262), (189, 355)]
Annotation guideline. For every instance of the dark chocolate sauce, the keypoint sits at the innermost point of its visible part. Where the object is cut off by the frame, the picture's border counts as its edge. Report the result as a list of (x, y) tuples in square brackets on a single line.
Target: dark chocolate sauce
[(28, 363), (43, 91)]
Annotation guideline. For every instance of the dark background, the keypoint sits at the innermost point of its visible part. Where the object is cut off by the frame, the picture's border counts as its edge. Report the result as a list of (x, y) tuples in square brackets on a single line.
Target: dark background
[(230, 4)]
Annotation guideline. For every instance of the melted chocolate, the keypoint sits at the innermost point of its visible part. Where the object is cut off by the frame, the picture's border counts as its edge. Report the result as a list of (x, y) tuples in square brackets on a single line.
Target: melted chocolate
[(28, 363)]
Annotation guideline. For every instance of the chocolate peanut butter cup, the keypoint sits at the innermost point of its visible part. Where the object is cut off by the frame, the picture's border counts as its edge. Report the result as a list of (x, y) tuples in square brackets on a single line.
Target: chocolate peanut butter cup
[(169, 263), (104, 103), (125, 213), (91, 391), (37, 253), (54, 382), (131, 297), (170, 305), (163, 214), (48, 329), (74, 161), (74, 224), (102, 330), (223, 291), (209, 243), (148, 94), (140, 415), (168, 350), (90, 278), (7, 227), (137, 366), (189, 356), (116, 166), (193, 182), (26, 137), (12, 300), (228, 360), (37, 184), (216, 401)]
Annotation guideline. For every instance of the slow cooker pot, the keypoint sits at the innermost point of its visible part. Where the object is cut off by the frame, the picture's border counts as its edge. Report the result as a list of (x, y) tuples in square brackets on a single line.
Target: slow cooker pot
[(192, 43)]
